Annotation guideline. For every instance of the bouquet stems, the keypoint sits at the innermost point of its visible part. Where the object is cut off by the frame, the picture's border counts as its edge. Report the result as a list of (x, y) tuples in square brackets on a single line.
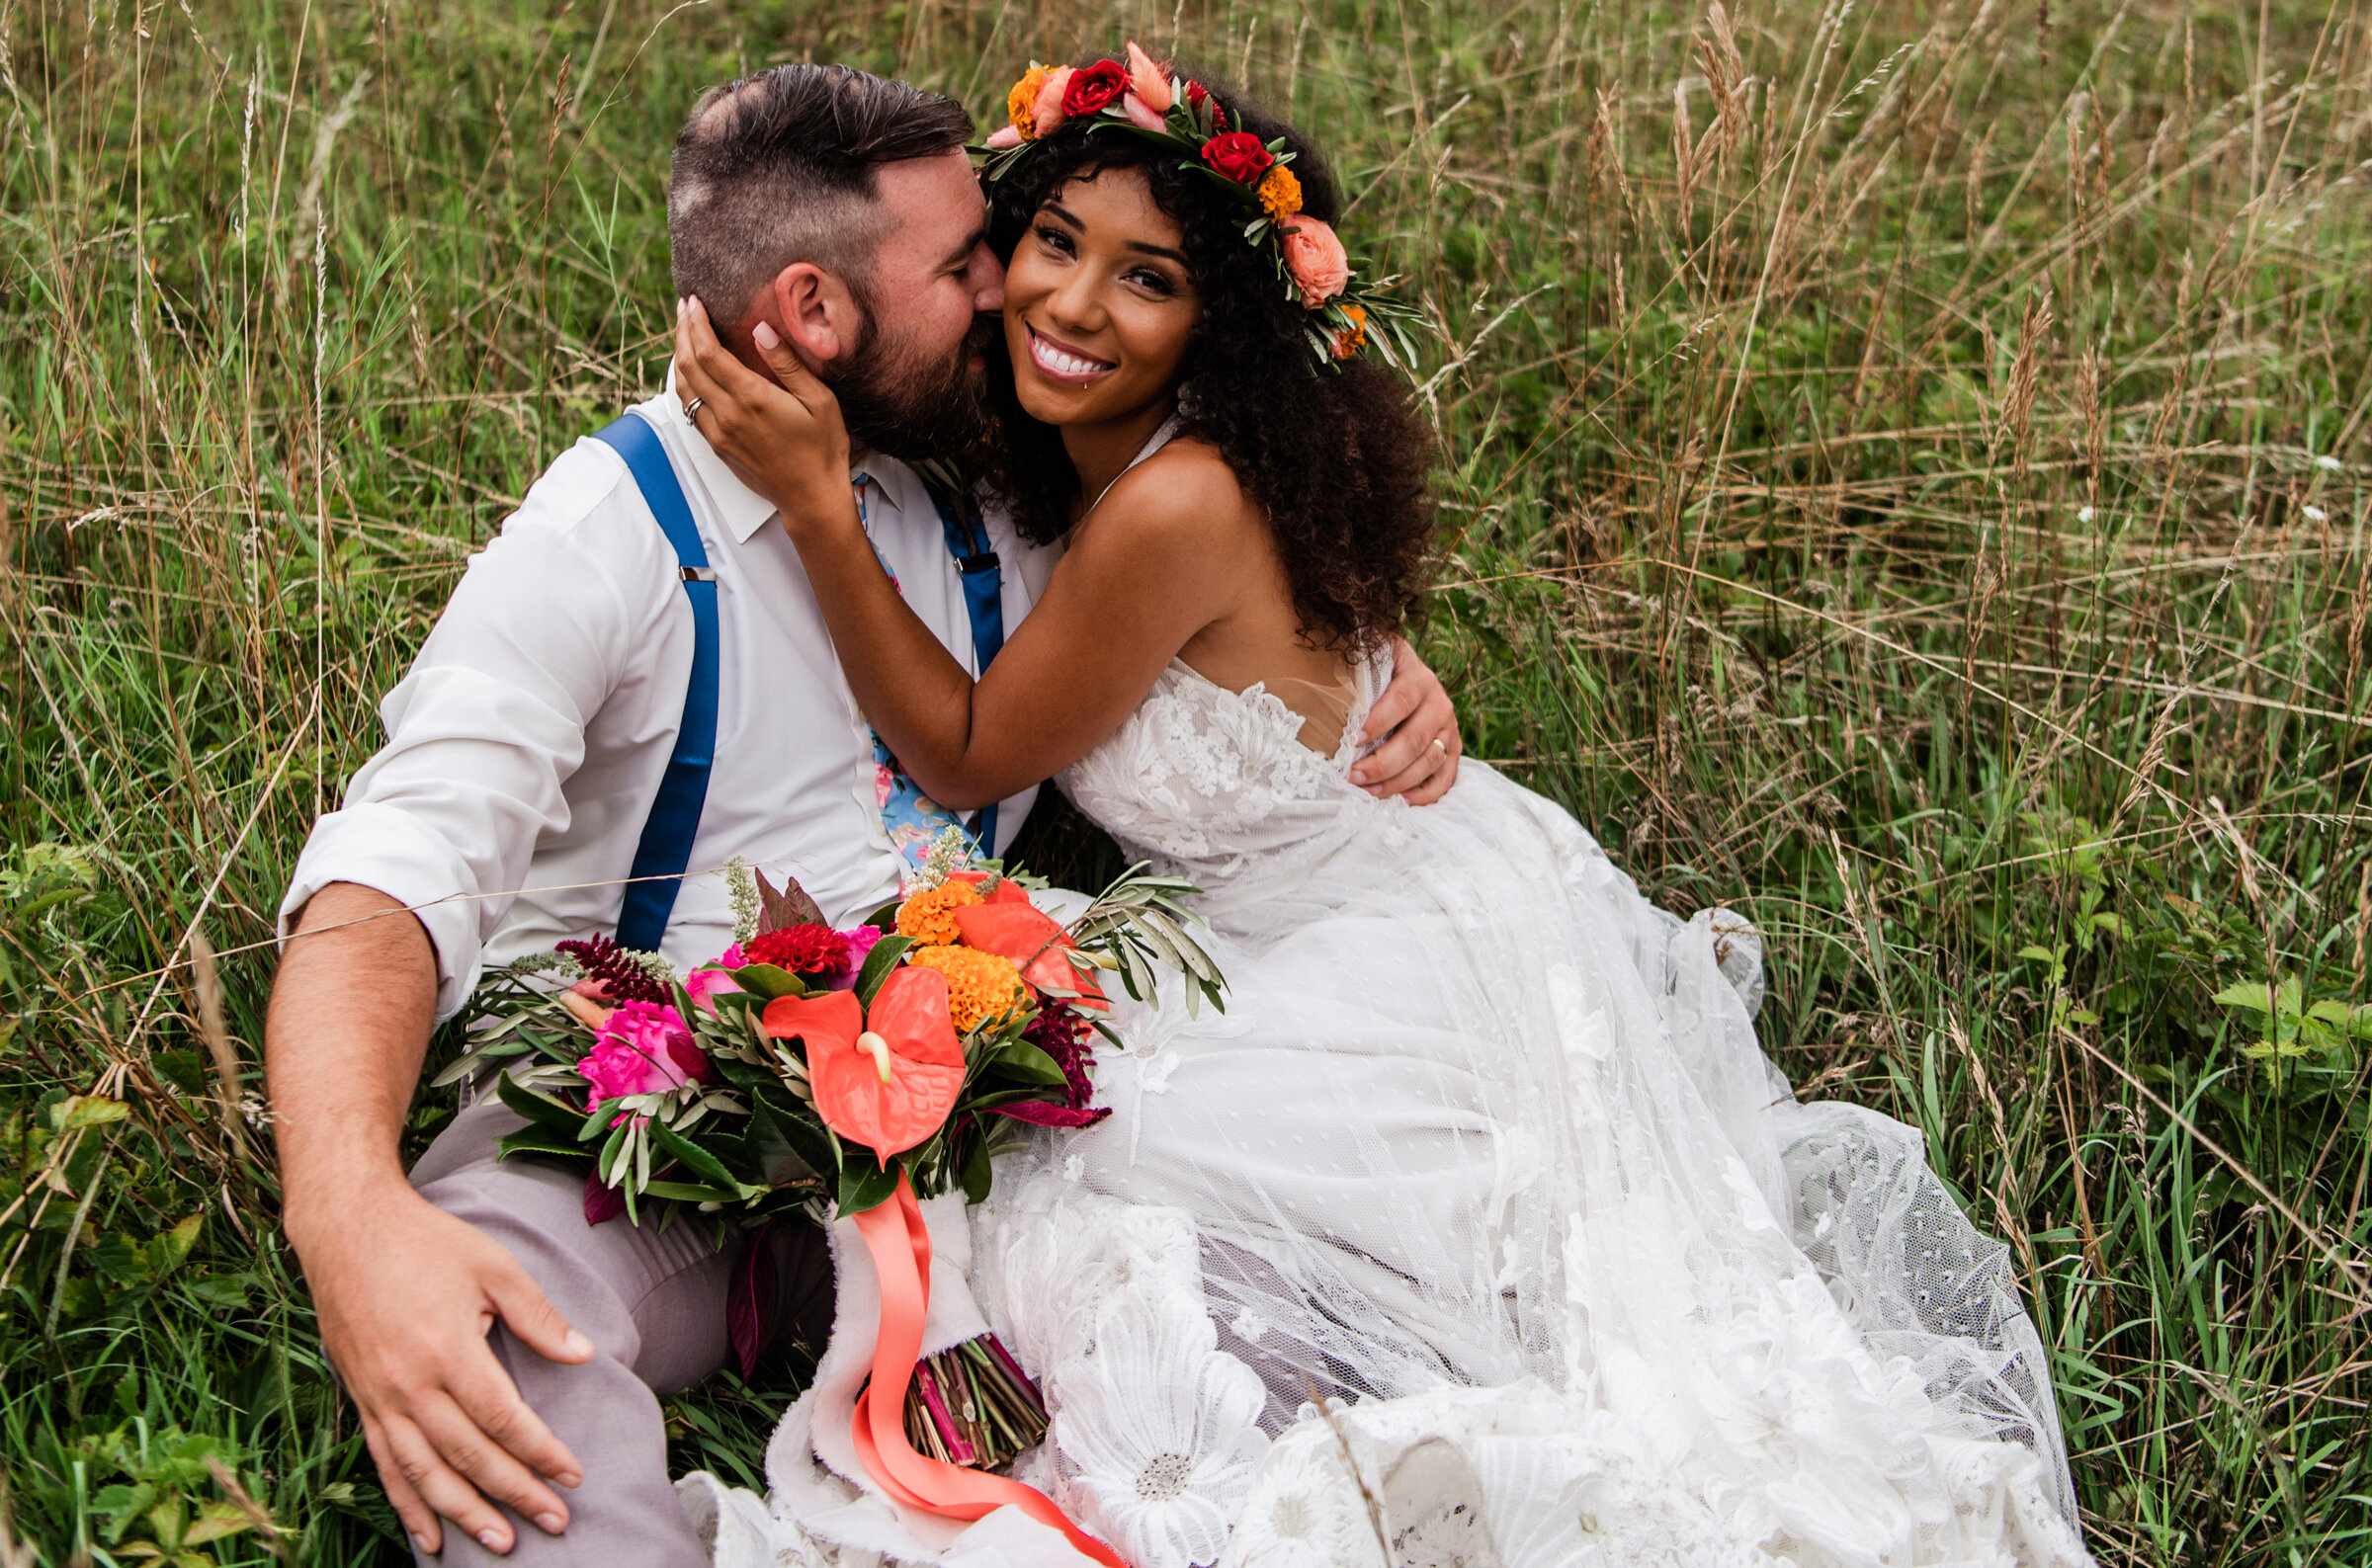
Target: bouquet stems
[(973, 1405)]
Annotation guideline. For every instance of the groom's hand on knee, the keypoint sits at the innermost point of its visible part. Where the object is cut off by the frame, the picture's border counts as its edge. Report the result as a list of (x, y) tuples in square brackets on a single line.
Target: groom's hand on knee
[(407, 1296)]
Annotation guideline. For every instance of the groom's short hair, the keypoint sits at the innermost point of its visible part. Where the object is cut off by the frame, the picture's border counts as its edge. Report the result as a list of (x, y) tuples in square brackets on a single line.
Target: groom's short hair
[(777, 168)]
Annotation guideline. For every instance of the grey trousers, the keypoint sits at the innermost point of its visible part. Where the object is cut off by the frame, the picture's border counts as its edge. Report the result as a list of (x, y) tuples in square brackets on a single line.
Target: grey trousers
[(652, 1303)]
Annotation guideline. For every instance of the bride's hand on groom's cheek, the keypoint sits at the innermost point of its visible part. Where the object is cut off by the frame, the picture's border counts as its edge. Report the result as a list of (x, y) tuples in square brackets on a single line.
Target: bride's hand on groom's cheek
[(1417, 725), (783, 438)]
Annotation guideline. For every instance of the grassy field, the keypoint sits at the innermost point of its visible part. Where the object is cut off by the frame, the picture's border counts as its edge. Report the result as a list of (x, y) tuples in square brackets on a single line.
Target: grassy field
[(1908, 477)]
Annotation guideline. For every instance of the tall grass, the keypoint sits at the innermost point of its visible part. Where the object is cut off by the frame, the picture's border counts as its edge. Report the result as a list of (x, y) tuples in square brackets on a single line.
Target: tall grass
[(1907, 478)]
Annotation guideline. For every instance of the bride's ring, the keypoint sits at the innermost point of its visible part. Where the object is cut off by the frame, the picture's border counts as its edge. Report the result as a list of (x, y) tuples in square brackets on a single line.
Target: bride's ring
[(693, 408)]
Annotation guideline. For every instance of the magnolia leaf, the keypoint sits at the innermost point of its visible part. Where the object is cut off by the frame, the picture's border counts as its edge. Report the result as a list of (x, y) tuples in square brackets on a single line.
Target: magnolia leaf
[(542, 1109), (978, 1173), (695, 1192), (531, 1141), (864, 1187), (768, 981), (1028, 1064), (702, 1164), (877, 964), (789, 907)]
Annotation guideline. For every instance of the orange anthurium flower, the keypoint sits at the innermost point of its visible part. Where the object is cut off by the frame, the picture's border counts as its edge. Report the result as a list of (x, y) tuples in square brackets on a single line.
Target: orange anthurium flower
[(886, 1080), (1034, 940)]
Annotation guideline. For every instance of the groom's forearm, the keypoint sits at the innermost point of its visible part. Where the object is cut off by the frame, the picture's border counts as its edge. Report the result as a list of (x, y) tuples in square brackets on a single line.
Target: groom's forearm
[(348, 1029)]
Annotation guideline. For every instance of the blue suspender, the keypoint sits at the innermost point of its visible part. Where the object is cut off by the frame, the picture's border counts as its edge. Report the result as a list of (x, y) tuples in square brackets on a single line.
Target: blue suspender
[(665, 852), (984, 602)]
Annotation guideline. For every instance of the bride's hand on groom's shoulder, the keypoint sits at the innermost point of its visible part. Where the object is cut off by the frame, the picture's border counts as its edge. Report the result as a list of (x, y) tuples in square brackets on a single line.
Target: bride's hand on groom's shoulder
[(1414, 732), (783, 438)]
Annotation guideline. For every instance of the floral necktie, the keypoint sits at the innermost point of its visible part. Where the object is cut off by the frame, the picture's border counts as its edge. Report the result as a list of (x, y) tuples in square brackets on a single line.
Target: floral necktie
[(912, 819)]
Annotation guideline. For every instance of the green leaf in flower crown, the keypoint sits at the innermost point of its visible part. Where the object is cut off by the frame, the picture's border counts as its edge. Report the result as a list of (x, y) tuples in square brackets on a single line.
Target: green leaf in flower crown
[(863, 1186), (539, 1108), (768, 981), (877, 964)]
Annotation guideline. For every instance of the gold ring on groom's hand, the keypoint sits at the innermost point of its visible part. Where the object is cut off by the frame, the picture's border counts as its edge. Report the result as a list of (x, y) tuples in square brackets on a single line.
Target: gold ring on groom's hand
[(693, 408), (1441, 745)]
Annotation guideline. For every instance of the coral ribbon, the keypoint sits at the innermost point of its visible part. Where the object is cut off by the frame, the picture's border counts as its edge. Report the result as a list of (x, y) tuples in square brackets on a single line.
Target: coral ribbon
[(900, 1245)]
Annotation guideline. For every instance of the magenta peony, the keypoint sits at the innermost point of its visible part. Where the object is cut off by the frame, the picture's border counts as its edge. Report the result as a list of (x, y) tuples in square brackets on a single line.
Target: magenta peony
[(643, 1049)]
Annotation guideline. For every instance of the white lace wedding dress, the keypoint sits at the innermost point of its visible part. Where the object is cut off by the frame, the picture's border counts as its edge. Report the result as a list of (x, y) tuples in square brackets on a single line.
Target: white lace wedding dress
[(1478, 1229)]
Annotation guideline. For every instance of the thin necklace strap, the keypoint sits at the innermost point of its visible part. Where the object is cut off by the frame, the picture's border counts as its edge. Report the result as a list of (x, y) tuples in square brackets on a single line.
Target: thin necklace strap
[(1158, 440)]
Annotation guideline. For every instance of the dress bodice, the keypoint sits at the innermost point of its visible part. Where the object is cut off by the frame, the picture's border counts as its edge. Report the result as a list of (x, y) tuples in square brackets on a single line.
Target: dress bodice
[(1217, 786)]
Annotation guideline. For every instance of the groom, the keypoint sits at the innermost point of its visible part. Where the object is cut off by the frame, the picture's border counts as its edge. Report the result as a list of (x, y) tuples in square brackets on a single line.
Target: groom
[(504, 1355)]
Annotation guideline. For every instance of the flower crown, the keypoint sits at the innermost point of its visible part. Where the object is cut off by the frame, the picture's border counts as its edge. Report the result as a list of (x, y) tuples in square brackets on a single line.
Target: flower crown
[(1142, 98)]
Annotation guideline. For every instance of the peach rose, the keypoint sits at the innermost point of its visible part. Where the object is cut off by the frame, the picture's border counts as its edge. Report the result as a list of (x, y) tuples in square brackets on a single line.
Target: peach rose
[(1147, 81), (1315, 258), (1049, 114), (1005, 136)]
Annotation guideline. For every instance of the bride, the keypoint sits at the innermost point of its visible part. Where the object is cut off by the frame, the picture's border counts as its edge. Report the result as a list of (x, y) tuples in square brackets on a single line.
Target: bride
[(1511, 1246)]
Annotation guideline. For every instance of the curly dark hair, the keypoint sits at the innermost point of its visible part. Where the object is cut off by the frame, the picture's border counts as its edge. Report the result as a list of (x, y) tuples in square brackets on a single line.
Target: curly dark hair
[(1334, 456)]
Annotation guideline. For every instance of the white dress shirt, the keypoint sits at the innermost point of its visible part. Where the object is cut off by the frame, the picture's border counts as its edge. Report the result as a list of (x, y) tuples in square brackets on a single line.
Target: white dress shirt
[(526, 744)]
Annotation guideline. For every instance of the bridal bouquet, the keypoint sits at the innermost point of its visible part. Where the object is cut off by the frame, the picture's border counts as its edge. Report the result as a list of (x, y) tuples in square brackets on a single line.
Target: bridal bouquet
[(833, 1070)]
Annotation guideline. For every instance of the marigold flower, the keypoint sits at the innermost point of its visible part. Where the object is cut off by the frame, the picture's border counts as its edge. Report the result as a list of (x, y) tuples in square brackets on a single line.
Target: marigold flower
[(979, 985), (1351, 339), (1280, 192), (927, 917), (1021, 104)]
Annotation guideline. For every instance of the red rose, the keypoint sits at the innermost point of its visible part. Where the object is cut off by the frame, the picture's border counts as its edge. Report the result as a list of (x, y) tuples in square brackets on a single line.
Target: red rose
[(1094, 87), (1238, 155), (802, 950), (1197, 95)]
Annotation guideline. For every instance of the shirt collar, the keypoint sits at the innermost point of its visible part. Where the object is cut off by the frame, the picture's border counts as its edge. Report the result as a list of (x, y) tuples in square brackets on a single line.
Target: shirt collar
[(743, 510)]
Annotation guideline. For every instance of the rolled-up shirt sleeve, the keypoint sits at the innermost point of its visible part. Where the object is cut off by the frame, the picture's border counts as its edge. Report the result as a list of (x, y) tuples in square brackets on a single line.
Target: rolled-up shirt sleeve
[(487, 727)]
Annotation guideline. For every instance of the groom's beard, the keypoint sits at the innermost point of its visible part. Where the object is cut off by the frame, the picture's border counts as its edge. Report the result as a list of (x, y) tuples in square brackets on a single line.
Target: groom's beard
[(903, 407)]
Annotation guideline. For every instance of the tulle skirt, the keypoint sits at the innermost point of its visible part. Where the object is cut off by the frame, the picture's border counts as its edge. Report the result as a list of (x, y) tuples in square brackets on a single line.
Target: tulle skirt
[(1482, 1162)]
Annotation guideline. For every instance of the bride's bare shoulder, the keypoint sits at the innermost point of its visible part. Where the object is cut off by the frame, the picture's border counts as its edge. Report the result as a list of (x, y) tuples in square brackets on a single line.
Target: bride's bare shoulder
[(1185, 490)]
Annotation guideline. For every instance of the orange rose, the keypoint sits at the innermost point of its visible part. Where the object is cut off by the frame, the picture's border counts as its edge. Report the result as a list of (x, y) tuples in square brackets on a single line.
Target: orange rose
[(1316, 261)]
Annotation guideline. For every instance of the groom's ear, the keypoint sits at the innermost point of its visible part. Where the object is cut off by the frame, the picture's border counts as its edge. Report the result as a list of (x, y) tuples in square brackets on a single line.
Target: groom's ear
[(814, 312)]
